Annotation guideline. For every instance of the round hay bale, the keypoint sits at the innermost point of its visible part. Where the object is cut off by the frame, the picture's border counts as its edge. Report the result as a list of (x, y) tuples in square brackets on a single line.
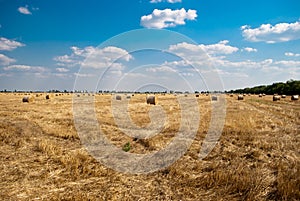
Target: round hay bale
[(197, 95), (276, 98), (128, 97), (47, 96), (214, 98), (118, 97), (240, 97), (151, 100), (295, 97), (260, 95), (27, 99), (283, 96), (231, 95)]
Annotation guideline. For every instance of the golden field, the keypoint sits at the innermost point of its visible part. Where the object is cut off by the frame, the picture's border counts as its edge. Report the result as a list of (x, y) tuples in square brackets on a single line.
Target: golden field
[(256, 158)]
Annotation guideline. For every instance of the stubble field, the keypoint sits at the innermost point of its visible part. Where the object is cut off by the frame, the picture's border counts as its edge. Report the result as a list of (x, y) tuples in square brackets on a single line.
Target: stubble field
[(256, 158)]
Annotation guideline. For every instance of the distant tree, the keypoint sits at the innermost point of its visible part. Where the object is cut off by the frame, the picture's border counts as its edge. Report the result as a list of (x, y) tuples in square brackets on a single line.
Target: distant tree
[(289, 88)]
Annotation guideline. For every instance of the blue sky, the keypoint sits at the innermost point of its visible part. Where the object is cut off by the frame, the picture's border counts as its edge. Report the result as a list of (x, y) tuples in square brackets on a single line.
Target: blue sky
[(51, 44)]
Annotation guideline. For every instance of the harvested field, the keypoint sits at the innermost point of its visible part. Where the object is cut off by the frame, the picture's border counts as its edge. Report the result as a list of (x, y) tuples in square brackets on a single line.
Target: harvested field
[(256, 158)]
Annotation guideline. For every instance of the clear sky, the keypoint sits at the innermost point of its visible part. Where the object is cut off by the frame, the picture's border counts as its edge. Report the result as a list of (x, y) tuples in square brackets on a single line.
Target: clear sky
[(53, 44)]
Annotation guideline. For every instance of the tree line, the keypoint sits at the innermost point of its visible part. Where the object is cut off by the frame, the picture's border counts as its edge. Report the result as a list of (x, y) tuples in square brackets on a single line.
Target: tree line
[(291, 87)]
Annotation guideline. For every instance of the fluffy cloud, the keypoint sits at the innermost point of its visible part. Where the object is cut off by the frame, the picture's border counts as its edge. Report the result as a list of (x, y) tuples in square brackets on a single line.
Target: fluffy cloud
[(84, 75), (62, 70), (4, 60), (227, 68), (169, 1), (161, 69), (9, 45), (26, 68), (167, 18), (24, 10), (281, 68), (106, 57), (249, 49), (289, 63), (67, 60), (180, 67), (221, 48), (203, 56), (91, 57), (268, 33), (290, 54), (196, 54), (246, 64)]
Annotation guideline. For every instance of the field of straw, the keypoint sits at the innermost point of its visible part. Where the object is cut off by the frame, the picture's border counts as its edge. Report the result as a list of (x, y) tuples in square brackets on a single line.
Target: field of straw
[(256, 158)]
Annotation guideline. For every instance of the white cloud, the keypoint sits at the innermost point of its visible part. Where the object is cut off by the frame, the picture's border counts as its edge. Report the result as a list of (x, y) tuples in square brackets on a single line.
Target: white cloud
[(174, 64), (167, 18), (135, 75), (195, 56), (244, 71), (289, 63), (24, 10), (161, 69), (290, 54), (229, 74), (187, 74), (268, 33), (5, 60), (247, 72), (91, 57), (220, 48), (62, 70), (62, 75), (67, 60), (169, 1), (26, 68), (270, 66), (249, 49), (84, 75), (102, 58), (8, 45)]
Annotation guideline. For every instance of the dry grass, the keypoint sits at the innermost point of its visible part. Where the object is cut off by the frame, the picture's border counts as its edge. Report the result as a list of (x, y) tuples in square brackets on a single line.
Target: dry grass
[(257, 157)]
